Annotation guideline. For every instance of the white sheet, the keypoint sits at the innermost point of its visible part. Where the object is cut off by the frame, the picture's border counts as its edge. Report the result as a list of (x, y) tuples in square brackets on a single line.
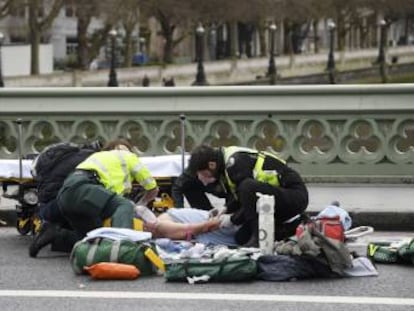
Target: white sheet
[(159, 166), (10, 168)]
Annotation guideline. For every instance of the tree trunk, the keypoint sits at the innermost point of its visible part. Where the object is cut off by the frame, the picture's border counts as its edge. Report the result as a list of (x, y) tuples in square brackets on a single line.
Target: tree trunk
[(38, 25), (234, 40), (129, 48), (82, 28), (341, 37), (288, 42), (167, 32), (341, 32), (34, 37), (316, 39), (34, 50), (262, 39), (363, 36), (406, 30), (168, 47)]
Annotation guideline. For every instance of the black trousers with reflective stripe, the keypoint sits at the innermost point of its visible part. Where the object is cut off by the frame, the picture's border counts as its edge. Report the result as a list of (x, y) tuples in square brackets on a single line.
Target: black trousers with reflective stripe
[(289, 202)]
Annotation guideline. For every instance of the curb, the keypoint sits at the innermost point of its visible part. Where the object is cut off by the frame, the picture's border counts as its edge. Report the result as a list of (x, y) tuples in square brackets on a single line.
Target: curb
[(385, 221)]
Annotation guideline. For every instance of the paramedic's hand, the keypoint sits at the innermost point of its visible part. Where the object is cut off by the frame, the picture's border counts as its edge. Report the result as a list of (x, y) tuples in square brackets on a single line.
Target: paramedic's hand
[(217, 211), (225, 221)]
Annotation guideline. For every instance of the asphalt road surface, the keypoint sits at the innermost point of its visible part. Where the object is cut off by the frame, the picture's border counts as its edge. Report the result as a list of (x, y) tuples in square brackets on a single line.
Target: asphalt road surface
[(48, 283)]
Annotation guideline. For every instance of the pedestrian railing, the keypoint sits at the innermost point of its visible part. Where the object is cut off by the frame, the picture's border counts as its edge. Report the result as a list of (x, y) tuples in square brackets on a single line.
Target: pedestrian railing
[(329, 133)]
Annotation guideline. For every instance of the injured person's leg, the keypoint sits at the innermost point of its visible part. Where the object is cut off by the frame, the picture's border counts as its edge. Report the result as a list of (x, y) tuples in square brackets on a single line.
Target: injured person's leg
[(167, 227)]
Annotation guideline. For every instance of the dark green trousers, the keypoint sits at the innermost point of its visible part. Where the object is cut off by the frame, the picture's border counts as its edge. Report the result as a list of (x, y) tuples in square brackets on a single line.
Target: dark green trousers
[(86, 203)]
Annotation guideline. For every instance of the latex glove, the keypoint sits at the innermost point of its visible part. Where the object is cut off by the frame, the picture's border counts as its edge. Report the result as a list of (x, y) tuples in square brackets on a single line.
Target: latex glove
[(225, 221), (217, 211)]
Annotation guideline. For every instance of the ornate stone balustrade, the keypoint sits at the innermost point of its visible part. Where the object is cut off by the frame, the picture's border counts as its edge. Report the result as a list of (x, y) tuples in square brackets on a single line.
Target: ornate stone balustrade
[(329, 133)]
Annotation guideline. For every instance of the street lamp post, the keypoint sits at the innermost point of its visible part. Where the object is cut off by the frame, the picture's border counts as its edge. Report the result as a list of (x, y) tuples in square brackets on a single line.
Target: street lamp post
[(271, 70), (381, 53), (1, 71), (200, 76), (331, 57), (112, 73)]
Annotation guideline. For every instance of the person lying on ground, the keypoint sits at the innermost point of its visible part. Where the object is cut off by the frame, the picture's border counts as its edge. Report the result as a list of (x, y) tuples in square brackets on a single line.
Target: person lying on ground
[(176, 224), (191, 224), (167, 227)]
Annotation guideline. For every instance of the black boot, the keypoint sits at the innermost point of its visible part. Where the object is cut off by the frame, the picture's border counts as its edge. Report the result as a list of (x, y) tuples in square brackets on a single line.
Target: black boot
[(45, 236), (254, 237)]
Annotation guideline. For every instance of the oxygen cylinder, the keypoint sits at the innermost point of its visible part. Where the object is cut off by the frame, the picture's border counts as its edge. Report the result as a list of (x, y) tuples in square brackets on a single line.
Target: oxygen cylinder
[(265, 206)]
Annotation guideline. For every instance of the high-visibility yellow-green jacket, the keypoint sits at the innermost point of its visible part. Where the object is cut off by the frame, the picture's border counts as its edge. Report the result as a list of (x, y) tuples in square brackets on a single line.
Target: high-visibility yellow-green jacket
[(271, 177), (118, 169)]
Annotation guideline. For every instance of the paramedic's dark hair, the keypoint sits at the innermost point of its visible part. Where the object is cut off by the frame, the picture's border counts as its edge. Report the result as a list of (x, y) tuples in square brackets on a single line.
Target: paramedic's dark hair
[(113, 144), (200, 156)]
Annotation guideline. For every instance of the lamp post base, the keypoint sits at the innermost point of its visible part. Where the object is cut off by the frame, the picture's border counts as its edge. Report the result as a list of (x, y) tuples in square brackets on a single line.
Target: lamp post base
[(200, 76), (200, 83), (332, 76), (383, 73), (112, 78)]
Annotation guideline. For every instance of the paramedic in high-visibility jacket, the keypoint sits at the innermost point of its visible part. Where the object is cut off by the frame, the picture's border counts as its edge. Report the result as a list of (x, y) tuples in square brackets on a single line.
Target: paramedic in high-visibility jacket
[(95, 190), (244, 172)]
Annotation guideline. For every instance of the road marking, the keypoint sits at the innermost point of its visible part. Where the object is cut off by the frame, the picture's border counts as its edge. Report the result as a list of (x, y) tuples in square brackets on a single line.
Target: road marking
[(207, 296)]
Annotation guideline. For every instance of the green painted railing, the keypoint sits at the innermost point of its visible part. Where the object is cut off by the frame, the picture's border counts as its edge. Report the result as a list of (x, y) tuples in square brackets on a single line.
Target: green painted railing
[(329, 133)]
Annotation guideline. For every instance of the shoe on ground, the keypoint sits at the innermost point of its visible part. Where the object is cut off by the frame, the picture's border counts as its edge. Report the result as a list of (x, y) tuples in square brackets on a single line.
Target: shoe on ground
[(45, 236)]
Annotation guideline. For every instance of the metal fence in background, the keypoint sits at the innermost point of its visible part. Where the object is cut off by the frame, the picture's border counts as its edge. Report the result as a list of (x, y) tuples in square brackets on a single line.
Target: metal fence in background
[(329, 133)]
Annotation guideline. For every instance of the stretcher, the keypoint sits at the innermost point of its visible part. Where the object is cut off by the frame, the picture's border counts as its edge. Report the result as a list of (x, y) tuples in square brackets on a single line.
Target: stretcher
[(16, 172), (164, 166)]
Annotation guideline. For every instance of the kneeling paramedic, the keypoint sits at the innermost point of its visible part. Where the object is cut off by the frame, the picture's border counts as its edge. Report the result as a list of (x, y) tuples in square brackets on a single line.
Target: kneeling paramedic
[(95, 192), (244, 172), (50, 170)]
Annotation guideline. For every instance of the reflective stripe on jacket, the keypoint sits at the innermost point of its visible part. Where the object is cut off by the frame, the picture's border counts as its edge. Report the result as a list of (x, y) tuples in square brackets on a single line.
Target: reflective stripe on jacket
[(266, 176), (117, 169), (270, 177)]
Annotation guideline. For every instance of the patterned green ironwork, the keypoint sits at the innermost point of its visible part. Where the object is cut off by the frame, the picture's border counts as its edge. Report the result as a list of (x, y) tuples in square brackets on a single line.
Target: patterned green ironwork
[(324, 142)]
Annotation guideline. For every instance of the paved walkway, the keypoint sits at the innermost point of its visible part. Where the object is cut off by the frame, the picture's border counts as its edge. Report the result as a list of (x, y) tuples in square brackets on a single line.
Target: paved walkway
[(363, 197), (385, 207)]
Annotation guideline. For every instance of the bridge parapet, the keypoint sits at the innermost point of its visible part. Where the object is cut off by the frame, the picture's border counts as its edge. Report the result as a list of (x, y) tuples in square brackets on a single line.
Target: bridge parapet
[(329, 133)]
